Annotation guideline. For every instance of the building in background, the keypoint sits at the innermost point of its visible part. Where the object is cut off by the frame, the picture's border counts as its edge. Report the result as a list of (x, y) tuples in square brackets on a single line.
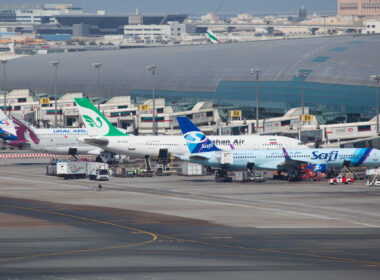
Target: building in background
[(368, 8), (338, 87), (155, 33), (372, 27)]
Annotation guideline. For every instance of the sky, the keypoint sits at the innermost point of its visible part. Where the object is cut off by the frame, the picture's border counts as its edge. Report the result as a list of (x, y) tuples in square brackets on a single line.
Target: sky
[(194, 6)]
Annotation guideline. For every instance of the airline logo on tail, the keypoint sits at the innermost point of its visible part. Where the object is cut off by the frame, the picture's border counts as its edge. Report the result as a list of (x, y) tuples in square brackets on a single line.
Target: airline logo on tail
[(196, 141), (95, 122), (24, 133), (286, 155), (7, 129), (213, 37), (91, 122)]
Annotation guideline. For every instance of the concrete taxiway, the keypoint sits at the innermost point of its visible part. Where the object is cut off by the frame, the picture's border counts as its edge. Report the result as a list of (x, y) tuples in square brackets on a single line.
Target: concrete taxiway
[(184, 228)]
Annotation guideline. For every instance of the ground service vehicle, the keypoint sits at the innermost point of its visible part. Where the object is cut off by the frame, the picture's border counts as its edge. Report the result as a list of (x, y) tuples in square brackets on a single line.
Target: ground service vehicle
[(72, 169), (343, 179), (98, 171)]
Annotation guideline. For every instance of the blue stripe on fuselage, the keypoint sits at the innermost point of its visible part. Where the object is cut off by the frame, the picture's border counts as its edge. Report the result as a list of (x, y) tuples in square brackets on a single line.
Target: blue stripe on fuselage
[(363, 154)]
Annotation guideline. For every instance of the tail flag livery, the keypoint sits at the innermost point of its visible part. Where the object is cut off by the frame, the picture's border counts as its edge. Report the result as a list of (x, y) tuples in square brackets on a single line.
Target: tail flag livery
[(7, 128), (286, 155), (213, 38), (25, 133), (96, 123), (196, 140)]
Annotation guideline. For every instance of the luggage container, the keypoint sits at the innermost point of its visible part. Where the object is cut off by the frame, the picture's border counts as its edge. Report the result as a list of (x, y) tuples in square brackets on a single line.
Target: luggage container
[(191, 169)]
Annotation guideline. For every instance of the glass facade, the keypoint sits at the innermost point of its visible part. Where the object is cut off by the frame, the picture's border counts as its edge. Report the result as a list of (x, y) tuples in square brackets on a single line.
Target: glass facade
[(326, 101)]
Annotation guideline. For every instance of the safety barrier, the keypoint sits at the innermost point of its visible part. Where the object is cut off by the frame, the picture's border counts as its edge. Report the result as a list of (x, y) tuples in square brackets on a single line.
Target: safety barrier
[(37, 156)]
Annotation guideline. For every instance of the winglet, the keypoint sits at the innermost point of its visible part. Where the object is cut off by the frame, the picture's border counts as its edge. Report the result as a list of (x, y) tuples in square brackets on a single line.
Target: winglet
[(286, 155), (196, 140)]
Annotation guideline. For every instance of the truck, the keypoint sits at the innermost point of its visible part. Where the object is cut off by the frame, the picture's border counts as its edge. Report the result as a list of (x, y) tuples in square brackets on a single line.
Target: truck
[(98, 171), (72, 169), (343, 179), (81, 169)]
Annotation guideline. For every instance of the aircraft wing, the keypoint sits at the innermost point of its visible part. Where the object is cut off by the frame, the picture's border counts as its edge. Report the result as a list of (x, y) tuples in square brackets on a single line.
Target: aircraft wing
[(291, 162), (95, 141), (198, 157), (189, 157)]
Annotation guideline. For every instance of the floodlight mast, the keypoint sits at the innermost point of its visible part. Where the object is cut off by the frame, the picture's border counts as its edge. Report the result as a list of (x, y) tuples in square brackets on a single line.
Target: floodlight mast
[(256, 72), (97, 67), (55, 64), (377, 79), (303, 76), (153, 69)]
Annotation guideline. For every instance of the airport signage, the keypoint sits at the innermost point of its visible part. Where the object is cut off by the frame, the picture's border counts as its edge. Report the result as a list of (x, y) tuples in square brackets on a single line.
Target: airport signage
[(45, 100), (344, 130), (307, 118), (144, 107), (235, 114)]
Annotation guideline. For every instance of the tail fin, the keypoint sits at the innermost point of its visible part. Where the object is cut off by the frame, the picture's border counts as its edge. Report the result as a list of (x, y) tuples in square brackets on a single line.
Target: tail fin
[(196, 141), (25, 132), (7, 128), (286, 155), (213, 38), (95, 122)]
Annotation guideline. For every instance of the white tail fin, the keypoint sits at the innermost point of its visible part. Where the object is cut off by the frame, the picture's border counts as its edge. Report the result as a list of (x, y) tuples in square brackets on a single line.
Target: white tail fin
[(7, 128)]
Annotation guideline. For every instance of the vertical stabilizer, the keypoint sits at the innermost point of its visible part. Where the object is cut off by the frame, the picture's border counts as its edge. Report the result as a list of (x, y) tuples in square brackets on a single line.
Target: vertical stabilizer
[(25, 132), (196, 140), (7, 128), (96, 123), (213, 38)]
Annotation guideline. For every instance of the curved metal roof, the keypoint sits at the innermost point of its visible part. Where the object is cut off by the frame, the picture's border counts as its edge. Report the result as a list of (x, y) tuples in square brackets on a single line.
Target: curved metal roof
[(346, 60)]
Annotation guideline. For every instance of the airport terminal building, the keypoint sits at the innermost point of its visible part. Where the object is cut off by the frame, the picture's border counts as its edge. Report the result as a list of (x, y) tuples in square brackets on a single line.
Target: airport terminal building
[(338, 84)]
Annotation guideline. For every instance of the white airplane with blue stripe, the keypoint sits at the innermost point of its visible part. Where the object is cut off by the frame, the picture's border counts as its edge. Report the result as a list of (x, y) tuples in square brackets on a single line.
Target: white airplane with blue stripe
[(205, 152), (7, 128)]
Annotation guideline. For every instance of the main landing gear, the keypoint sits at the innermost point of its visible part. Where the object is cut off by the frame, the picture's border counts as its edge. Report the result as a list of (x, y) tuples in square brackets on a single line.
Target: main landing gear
[(221, 175)]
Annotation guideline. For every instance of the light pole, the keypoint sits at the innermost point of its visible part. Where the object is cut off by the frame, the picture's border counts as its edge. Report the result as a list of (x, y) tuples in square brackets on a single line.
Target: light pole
[(361, 23), (97, 66), (256, 72), (55, 64), (377, 79), (4, 61), (153, 68), (324, 23), (303, 76)]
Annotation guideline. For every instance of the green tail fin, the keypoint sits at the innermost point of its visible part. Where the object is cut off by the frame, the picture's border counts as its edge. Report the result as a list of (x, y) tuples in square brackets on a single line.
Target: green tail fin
[(96, 123)]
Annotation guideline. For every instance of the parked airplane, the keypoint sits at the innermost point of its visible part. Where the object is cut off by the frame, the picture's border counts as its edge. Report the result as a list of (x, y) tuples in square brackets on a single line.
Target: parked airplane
[(104, 135), (203, 151), (51, 140), (7, 128)]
